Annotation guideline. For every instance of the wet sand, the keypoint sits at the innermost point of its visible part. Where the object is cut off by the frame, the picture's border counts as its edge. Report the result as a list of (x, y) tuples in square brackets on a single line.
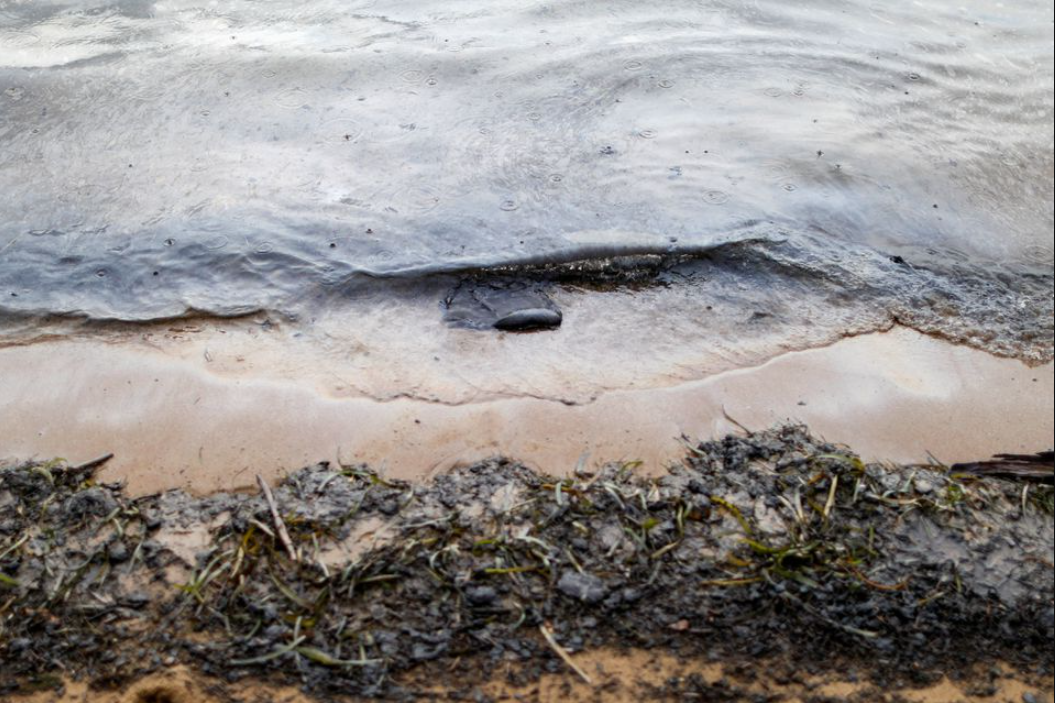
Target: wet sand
[(175, 420), (618, 677)]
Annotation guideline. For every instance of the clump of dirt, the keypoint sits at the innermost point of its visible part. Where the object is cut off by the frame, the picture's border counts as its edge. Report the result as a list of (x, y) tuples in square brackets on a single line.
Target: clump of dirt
[(773, 547)]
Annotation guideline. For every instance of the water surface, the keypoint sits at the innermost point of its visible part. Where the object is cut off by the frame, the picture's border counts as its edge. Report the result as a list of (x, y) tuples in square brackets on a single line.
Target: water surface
[(828, 167)]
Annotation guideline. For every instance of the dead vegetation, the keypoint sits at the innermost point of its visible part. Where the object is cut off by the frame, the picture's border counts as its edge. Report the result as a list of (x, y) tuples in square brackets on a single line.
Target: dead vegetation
[(772, 546)]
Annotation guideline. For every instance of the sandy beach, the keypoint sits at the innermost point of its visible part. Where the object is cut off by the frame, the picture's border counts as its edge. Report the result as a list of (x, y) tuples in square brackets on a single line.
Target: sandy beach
[(527, 351), (172, 421)]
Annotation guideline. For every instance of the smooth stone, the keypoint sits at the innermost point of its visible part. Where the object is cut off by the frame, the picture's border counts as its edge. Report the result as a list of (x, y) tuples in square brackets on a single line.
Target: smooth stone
[(531, 319), (582, 587)]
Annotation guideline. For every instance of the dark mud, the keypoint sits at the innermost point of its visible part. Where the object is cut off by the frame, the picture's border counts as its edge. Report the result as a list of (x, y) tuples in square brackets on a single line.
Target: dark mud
[(772, 547)]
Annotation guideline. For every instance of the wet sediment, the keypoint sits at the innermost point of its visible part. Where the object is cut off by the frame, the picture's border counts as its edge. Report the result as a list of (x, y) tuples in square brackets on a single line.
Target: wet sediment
[(205, 406), (773, 547), (742, 284)]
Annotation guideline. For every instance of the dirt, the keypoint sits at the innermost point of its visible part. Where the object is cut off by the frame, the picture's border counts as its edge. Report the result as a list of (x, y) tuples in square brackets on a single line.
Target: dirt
[(619, 677), (770, 567)]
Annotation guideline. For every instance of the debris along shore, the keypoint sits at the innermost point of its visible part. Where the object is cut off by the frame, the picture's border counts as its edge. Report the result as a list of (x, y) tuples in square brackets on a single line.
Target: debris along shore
[(770, 546)]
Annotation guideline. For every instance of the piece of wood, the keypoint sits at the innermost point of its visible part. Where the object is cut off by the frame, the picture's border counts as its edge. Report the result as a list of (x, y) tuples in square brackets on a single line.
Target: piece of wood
[(563, 654), (280, 524), (1037, 467), (93, 464)]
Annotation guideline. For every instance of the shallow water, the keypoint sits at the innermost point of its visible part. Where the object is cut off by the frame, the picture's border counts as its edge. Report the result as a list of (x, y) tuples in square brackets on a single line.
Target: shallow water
[(837, 165)]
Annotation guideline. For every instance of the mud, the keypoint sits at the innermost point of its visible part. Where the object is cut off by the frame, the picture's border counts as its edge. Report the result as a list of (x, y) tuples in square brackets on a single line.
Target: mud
[(774, 548)]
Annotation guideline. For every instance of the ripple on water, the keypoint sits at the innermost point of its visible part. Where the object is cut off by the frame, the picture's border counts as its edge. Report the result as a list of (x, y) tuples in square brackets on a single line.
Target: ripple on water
[(292, 99), (716, 197), (555, 119), (341, 130)]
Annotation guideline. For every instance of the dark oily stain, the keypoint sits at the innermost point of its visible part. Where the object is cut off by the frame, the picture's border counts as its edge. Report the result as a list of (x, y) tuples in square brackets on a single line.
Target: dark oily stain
[(510, 306)]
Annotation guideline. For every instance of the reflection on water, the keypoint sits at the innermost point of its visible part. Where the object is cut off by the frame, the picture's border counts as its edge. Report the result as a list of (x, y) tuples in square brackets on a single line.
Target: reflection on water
[(883, 158)]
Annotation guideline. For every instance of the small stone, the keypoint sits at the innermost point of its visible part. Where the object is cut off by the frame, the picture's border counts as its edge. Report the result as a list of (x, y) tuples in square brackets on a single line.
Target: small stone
[(924, 487), (136, 601), (20, 645), (582, 587), (481, 596), (532, 319), (423, 652), (118, 552), (1029, 698), (94, 502), (151, 520), (611, 538)]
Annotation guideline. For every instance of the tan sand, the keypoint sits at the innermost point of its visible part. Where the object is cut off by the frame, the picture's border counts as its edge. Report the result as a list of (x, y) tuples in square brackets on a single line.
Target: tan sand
[(616, 677), (175, 421)]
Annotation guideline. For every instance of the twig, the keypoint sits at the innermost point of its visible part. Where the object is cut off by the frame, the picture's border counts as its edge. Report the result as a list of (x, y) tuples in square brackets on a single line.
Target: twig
[(831, 498), (93, 464), (13, 548), (879, 586), (280, 525), (733, 420), (563, 654)]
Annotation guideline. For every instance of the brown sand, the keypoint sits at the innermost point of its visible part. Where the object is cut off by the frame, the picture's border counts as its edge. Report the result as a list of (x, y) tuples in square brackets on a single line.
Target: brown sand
[(616, 677), (174, 422)]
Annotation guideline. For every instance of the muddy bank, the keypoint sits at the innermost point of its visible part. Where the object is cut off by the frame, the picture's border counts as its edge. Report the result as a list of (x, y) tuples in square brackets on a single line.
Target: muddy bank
[(772, 548), (206, 408)]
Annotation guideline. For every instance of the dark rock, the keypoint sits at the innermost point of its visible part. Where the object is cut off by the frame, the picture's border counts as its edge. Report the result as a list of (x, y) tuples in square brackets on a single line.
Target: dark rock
[(481, 596), (94, 502), (137, 601), (20, 645), (532, 319), (583, 587), (151, 520), (118, 552), (508, 305), (422, 652)]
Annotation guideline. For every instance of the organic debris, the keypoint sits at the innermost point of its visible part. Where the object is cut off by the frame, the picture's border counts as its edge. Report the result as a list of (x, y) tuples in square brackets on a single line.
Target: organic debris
[(773, 546)]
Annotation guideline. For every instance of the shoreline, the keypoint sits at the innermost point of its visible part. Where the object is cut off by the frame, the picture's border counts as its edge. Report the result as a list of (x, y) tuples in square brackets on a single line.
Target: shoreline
[(175, 422)]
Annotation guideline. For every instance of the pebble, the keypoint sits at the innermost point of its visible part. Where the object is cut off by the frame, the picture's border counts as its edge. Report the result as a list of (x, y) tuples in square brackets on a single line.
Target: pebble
[(924, 487), (118, 552), (481, 596), (94, 502), (582, 587), (532, 319)]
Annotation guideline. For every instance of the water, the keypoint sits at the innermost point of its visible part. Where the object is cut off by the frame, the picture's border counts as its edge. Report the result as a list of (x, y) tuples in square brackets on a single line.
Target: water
[(801, 170)]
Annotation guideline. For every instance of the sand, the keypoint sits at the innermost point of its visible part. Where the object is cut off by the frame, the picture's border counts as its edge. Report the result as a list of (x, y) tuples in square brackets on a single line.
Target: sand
[(616, 677), (174, 420)]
